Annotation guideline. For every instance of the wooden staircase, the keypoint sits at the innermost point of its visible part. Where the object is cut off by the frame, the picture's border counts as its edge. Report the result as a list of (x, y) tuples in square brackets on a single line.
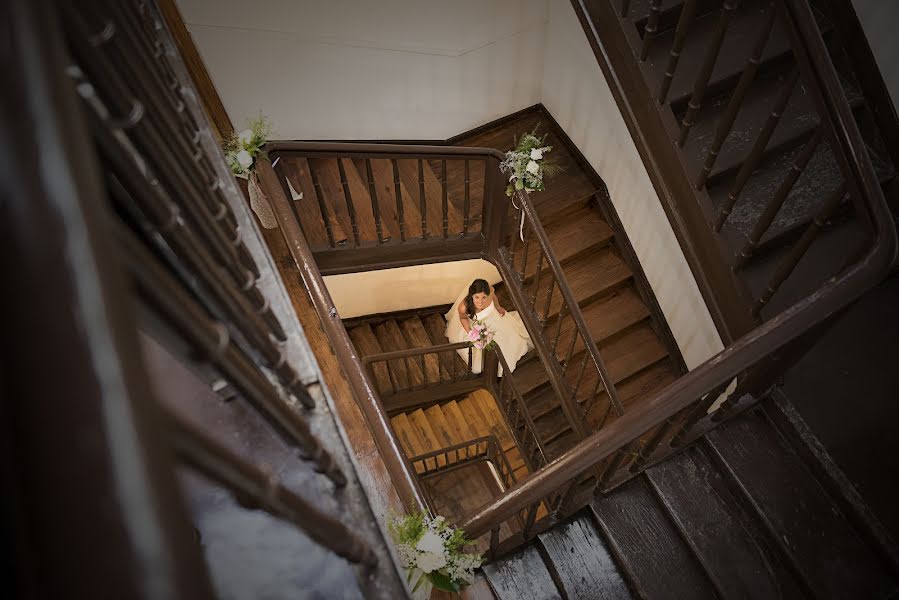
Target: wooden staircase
[(748, 511), (768, 192), (607, 282)]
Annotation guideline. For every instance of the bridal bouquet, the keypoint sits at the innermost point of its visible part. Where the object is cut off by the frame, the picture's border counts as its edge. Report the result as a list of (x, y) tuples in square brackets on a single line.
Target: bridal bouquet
[(480, 336), (241, 151), (431, 551), (526, 165)]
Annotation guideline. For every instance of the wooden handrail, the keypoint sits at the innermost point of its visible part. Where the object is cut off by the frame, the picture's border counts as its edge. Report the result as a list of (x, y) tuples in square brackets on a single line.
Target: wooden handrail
[(574, 309), (401, 475), (362, 150), (523, 410), (381, 357)]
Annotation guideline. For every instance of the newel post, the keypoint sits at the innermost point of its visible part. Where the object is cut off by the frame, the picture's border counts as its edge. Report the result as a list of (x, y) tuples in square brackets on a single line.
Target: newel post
[(495, 207)]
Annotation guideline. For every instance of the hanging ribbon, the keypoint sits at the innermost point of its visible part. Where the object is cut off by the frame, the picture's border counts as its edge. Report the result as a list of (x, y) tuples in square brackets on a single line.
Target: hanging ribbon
[(260, 204), (520, 210)]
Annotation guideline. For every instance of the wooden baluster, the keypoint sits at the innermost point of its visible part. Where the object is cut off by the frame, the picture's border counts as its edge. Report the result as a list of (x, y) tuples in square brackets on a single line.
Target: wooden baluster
[(494, 543), (652, 27), (789, 262), (694, 414), (774, 205), (575, 335), (466, 207), (470, 357), (398, 191), (537, 280), (549, 297), (758, 148), (319, 198), (580, 379), (680, 35), (615, 462), (454, 363), (422, 200), (559, 319), (726, 122), (702, 81), (646, 449), (524, 253), (530, 520), (625, 8), (444, 204), (375, 208), (348, 198), (564, 500)]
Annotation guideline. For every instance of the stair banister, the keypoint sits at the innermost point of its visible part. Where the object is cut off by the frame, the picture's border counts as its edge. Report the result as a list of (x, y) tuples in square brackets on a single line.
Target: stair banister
[(402, 476), (573, 308)]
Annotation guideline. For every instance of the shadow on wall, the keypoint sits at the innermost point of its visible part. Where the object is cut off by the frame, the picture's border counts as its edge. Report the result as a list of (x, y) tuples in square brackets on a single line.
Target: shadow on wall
[(389, 290)]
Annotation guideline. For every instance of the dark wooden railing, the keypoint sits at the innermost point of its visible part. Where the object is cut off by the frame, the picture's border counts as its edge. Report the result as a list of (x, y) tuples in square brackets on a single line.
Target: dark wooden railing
[(412, 377), (180, 243), (753, 362), (486, 448), (546, 303), (372, 206)]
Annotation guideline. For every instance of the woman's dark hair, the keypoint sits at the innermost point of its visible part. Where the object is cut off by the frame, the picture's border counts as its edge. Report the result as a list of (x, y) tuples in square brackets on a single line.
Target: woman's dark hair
[(478, 286)]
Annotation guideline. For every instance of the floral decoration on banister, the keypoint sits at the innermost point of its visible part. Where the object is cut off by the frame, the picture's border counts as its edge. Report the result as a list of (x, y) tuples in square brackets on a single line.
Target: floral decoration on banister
[(526, 165), (431, 552), (242, 150)]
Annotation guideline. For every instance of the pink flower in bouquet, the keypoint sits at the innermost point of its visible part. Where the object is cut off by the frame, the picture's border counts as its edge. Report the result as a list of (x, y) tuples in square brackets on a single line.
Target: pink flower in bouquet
[(473, 335)]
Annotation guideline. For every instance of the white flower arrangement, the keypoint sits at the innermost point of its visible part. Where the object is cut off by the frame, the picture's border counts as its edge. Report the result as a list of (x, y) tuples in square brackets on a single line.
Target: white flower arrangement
[(242, 149), (431, 550), (526, 166)]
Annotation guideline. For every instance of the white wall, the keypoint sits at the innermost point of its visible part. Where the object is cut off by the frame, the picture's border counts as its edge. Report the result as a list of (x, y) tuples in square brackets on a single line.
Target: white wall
[(356, 294), (575, 92), (878, 19), (361, 69)]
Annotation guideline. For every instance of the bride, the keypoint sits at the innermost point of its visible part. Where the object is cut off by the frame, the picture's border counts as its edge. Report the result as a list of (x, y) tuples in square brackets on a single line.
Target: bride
[(480, 302)]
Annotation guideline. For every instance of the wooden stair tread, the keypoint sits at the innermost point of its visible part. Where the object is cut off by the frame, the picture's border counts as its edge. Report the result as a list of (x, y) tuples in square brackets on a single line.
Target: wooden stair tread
[(367, 345), (406, 373), (707, 514), (456, 420), (604, 318), (409, 438), (648, 546), (523, 576), (799, 118), (583, 564), (734, 54), (416, 337), (588, 276), (446, 434), (644, 384), (830, 556), (583, 230), (477, 422), (431, 441)]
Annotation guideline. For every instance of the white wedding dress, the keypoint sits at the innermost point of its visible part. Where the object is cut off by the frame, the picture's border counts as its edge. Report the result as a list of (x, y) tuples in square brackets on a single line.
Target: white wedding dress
[(509, 334)]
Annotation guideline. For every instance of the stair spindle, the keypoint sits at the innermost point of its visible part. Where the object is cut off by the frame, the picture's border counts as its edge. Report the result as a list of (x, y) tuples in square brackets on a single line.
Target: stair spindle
[(774, 205), (373, 194), (694, 414), (680, 36), (726, 123), (652, 27), (466, 208), (319, 198), (549, 297), (559, 319), (422, 200), (625, 8), (537, 280), (524, 253), (348, 198), (443, 199), (758, 148), (398, 192), (705, 74), (789, 262)]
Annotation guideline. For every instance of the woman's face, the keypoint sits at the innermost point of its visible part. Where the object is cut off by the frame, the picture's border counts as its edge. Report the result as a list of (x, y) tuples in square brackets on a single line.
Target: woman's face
[(481, 300)]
